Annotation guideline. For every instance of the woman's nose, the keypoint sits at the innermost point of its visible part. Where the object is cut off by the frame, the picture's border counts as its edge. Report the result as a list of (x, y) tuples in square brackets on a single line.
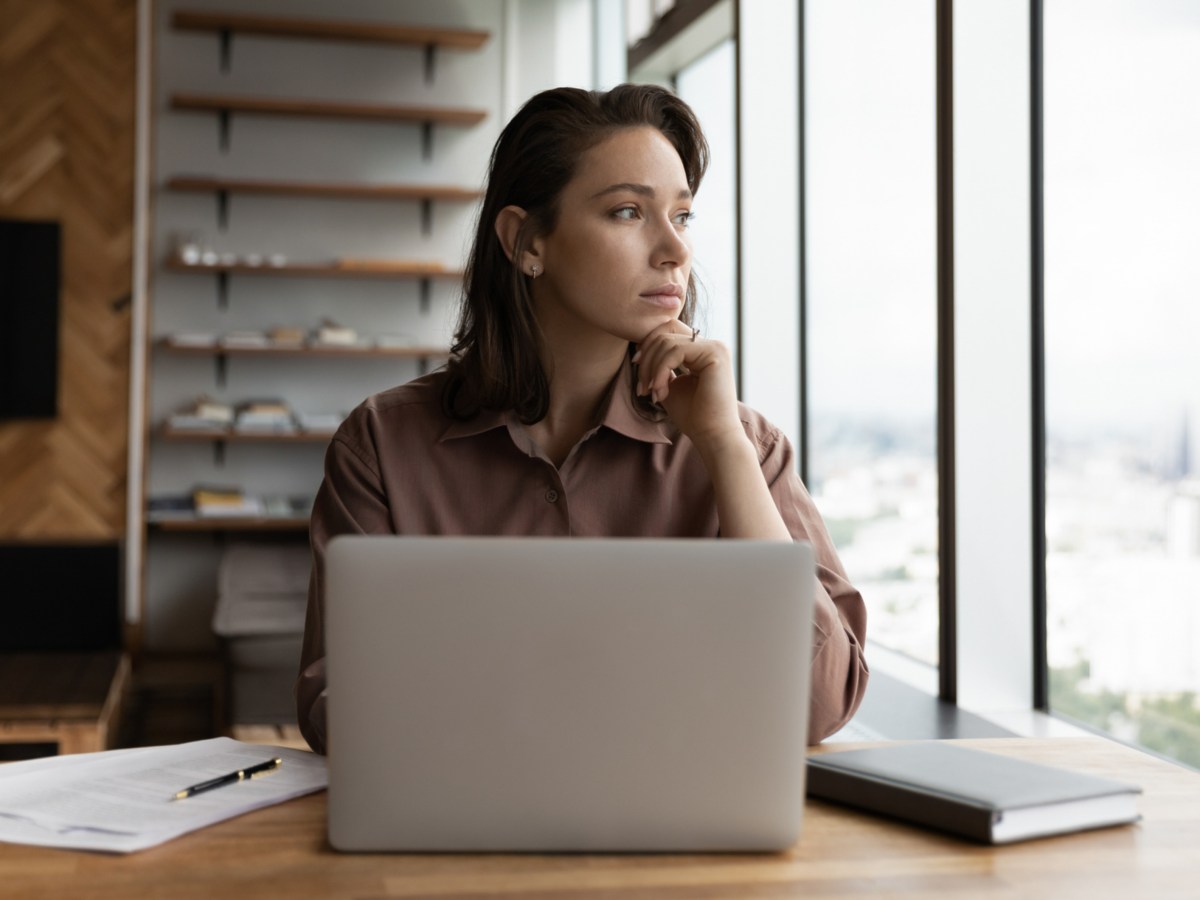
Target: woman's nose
[(673, 249)]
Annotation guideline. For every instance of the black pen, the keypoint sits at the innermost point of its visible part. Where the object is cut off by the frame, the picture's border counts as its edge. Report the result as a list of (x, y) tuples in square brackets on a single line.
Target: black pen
[(232, 778)]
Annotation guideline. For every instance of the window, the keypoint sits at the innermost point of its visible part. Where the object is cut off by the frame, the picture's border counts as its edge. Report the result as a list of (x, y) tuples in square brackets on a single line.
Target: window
[(871, 304), (707, 85), (1122, 285)]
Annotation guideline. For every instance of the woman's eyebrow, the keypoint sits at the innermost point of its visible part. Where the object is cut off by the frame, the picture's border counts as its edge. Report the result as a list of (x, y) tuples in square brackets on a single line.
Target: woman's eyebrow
[(643, 189)]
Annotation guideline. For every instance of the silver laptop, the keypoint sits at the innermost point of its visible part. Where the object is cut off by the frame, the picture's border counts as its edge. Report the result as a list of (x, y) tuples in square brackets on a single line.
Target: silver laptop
[(550, 694)]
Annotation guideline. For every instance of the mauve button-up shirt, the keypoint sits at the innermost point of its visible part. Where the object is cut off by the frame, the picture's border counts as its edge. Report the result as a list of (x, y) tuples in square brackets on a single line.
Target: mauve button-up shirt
[(398, 465)]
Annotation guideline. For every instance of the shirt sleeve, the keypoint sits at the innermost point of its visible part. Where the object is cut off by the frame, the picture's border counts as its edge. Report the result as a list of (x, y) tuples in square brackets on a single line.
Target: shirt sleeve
[(839, 667), (350, 501)]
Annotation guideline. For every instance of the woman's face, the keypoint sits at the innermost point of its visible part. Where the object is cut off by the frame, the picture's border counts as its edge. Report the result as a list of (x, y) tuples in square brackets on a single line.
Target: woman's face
[(618, 260)]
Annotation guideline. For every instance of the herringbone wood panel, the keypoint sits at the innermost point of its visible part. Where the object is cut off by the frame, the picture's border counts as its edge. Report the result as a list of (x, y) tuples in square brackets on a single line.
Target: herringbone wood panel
[(67, 73)]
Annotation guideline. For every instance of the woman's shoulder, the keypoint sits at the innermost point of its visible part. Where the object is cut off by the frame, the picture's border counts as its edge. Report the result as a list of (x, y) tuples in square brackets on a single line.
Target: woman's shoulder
[(414, 396), (405, 412), (766, 436)]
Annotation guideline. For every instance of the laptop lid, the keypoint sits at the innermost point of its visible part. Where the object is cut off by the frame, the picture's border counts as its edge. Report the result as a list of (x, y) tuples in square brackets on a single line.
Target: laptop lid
[(549, 694)]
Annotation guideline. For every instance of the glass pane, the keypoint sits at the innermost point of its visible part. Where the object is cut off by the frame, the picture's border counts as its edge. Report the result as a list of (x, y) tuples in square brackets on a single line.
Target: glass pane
[(1122, 140), (871, 340), (707, 85)]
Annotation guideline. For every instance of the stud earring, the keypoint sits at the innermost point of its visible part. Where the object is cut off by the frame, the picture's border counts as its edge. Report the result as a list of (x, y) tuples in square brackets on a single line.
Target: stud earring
[(535, 270)]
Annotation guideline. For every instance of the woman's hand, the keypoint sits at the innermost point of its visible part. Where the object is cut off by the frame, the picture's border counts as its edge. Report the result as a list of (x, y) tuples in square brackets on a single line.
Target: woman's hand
[(692, 379)]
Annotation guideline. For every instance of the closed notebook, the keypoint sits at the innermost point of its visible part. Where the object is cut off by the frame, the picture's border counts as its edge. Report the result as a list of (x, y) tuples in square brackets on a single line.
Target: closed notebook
[(984, 796)]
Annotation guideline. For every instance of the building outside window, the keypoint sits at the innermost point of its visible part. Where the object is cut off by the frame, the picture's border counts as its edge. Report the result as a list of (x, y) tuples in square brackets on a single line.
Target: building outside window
[(871, 289), (1122, 301)]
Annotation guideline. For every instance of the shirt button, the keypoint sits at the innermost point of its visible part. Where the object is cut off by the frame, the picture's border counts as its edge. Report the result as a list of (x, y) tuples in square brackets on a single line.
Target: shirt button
[(551, 496)]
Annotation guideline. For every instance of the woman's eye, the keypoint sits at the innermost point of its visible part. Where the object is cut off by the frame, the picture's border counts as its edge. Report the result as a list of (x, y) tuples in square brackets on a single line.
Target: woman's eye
[(684, 219), (625, 212)]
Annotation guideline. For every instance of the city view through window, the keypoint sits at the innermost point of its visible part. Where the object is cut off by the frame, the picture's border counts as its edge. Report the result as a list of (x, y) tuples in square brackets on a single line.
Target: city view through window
[(1122, 296), (872, 305), (1122, 307)]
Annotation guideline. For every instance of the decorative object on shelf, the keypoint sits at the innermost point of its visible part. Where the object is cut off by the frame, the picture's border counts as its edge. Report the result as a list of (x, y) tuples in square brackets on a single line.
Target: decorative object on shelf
[(331, 333)]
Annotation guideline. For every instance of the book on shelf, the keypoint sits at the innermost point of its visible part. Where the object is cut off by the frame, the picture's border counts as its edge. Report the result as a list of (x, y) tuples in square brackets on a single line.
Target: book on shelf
[(987, 797), (170, 506), (287, 336), (188, 422), (193, 339), (205, 414), (225, 501), (245, 339), (279, 507), (264, 415)]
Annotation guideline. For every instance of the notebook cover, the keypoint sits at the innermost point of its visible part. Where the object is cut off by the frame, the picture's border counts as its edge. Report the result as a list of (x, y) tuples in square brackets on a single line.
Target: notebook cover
[(949, 787)]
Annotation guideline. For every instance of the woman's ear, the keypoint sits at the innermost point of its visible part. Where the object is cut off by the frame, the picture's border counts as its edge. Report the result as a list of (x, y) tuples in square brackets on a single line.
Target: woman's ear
[(509, 222)]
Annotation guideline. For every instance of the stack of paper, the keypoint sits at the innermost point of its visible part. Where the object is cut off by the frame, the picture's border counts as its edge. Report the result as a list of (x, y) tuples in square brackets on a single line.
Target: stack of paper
[(123, 800)]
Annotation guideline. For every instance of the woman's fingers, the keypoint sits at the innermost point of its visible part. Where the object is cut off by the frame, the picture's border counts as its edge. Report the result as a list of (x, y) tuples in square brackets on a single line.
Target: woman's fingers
[(668, 352)]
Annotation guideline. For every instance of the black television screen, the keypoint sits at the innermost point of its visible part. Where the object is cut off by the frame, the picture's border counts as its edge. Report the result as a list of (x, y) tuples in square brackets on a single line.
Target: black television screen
[(29, 289)]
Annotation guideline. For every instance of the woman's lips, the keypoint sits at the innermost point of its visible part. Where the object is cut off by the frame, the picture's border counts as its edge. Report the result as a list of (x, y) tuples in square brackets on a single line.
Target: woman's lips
[(667, 296)]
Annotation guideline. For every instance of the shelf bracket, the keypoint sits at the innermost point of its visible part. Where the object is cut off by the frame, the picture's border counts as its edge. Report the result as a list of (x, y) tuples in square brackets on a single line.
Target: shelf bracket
[(219, 453), (222, 209), (224, 121), (422, 366), (226, 50), (427, 140), (427, 216), (222, 289), (430, 62), (425, 289), (221, 362)]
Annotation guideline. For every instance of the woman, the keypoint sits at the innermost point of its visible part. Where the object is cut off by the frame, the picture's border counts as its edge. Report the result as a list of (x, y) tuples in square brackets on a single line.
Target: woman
[(579, 400)]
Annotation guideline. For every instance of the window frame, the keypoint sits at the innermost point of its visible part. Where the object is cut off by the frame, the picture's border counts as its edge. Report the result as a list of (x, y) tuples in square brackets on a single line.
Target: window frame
[(992, 656)]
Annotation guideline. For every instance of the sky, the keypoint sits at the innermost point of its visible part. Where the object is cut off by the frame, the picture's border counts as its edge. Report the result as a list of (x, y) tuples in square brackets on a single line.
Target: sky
[(1122, 209)]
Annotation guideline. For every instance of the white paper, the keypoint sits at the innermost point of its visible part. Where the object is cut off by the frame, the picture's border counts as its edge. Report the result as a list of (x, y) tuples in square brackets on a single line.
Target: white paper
[(122, 800)]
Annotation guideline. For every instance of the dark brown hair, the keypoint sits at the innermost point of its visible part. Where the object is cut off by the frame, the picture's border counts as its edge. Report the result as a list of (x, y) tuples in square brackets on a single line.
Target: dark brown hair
[(496, 362)]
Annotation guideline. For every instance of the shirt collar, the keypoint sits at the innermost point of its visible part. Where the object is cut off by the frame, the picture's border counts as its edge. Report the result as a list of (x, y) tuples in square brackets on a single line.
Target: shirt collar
[(620, 415)]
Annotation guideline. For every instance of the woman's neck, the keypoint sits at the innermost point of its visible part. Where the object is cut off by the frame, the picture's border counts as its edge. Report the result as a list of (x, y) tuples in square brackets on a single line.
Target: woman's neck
[(579, 382)]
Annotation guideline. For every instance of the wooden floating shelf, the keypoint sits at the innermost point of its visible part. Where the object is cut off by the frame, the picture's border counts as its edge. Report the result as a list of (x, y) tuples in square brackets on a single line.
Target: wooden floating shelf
[(380, 269), (270, 26), (353, 352), (231, 523), (277, 106), (203, 184), (221, 434)]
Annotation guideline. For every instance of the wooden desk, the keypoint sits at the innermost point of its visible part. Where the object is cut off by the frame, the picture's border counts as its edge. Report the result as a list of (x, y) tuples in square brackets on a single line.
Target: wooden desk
[(281, 852)]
